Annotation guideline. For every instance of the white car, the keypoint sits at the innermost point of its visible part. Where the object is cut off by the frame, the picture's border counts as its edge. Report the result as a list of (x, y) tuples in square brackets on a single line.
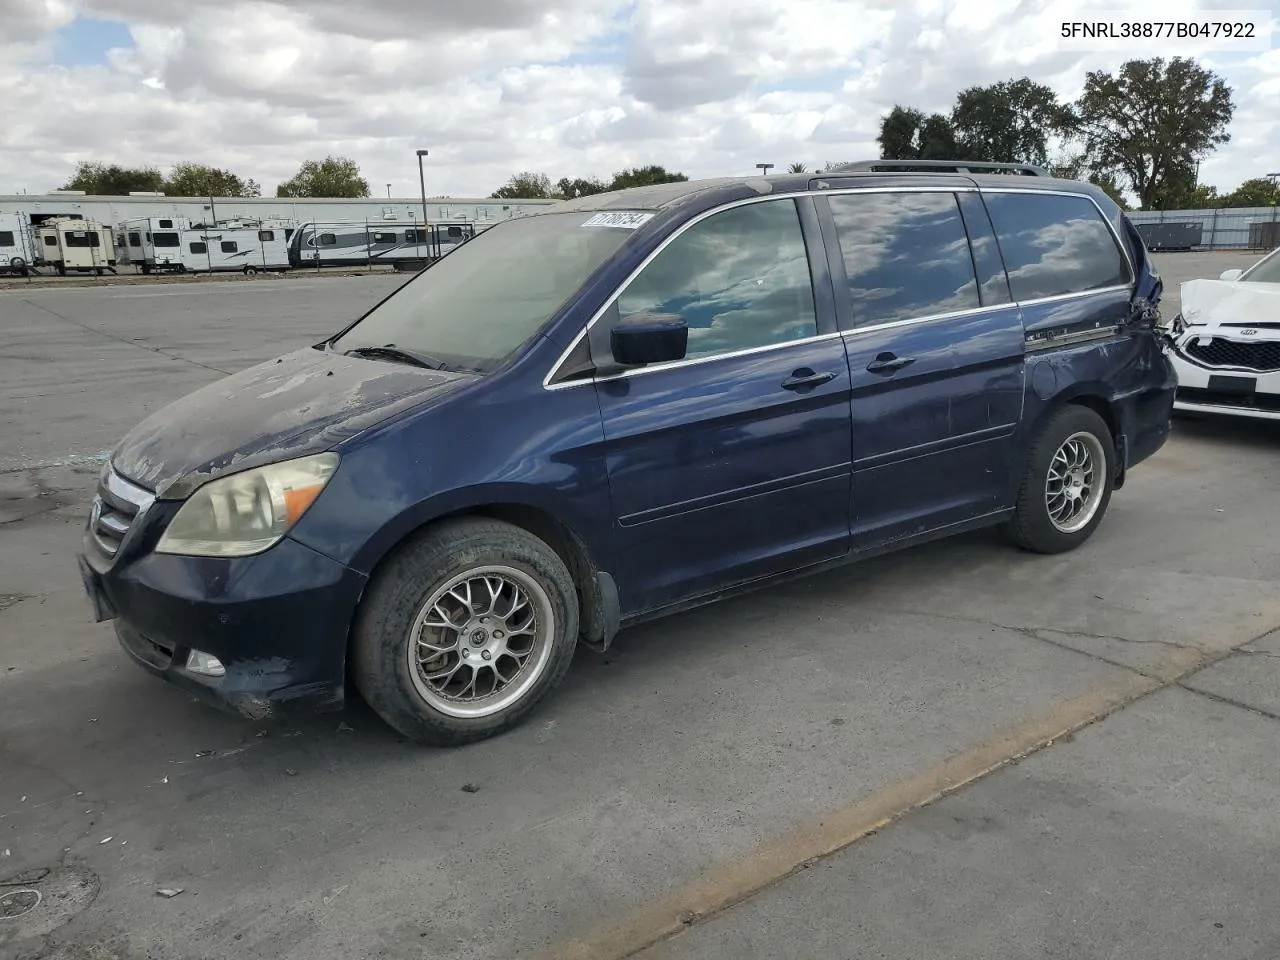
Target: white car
[(1226, 343)]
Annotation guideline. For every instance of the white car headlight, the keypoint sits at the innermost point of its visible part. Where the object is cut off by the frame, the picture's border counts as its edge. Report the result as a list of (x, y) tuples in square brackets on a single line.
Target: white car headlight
[(246, 513)]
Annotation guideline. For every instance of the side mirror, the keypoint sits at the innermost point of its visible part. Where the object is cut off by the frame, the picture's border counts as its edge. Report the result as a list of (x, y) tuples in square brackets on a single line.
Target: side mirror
[(649, 338), (1230, 275)]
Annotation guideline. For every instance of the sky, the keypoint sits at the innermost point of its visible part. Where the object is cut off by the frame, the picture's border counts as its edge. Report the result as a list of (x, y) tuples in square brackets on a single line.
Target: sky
[(566, 87)]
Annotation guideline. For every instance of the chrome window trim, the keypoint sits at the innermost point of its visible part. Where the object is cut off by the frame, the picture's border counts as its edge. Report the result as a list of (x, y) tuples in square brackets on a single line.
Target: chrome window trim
[(793, 195), (911, 321)]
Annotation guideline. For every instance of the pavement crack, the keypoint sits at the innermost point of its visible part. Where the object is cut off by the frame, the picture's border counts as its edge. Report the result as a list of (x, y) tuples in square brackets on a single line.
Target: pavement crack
[(124, 340), (1230, 701)]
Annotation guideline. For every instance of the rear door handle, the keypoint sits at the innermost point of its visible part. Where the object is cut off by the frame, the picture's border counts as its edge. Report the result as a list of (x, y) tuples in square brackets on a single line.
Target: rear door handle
[(806, 379), (888, 363)]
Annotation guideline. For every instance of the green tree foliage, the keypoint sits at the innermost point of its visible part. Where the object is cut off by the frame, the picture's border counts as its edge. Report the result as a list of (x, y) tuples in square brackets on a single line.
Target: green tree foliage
[(199, 180), (330, 177), (644, 177), (526, 185), (1258, 192), (797, 168), (1008, 122), (579, 187), (1149, 122), (908, 134), (111, 180)]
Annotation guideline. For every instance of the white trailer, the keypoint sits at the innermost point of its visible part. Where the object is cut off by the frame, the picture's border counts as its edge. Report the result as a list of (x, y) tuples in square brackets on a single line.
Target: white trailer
[(357, 244), (154, 243), (17, 251), (75, 245), (247, 249)]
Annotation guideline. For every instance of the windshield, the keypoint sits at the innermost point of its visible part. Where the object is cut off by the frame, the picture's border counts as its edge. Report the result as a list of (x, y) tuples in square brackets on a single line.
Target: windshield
[(1266, 270), (477, 305)]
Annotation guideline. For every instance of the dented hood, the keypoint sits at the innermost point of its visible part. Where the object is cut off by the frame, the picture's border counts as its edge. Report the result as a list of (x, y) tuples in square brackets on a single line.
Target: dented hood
[(303, 403), (1235, 304)]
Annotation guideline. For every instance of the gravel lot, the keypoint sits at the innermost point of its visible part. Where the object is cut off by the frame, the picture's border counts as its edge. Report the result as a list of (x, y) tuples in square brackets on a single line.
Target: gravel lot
[(699, 762)]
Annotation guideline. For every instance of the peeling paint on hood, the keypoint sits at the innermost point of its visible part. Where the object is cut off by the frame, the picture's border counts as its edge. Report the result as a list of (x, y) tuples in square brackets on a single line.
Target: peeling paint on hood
[(1241, 304), (302, 403)]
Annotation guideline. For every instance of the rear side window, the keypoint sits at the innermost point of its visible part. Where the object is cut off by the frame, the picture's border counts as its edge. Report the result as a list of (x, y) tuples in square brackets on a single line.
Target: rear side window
[(50, 240), (328, 239), (6, 238), (166, 240), (229, 246), (82, 238), (166, 224), (906, 255), (199, 246), (1055, 245), (266, 236), (455, 231), (135, 240), (384, 238), (740, 279)]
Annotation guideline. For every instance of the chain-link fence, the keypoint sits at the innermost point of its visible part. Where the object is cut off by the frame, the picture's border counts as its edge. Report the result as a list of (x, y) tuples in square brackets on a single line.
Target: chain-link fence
[(1228, 228)]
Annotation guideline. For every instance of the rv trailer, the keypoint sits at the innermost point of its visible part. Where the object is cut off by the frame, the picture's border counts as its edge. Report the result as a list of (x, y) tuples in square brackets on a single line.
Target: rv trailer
[(222, 248), (358, 244), (76, 245), (17, 253), (154, 243)]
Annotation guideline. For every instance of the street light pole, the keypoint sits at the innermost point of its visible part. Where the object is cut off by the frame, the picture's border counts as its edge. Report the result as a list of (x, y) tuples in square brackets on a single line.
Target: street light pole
[(764, 168), (423, 184)]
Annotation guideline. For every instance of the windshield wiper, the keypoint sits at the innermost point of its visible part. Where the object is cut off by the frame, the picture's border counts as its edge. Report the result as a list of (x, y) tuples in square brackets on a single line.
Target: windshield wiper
[(391, 352)]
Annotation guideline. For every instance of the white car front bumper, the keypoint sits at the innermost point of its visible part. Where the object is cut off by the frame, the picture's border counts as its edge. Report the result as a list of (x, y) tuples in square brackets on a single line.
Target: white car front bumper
[(1223, 377)]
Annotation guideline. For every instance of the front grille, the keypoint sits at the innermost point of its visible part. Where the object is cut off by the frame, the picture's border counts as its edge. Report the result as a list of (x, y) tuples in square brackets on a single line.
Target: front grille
[(1262, 355), (117, 505), (152, 652)]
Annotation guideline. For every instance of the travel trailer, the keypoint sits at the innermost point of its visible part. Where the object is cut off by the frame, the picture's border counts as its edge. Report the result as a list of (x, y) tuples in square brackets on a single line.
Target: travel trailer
[(17, 254), (154, 243), (357, 244), (75, 245), (247, 249)]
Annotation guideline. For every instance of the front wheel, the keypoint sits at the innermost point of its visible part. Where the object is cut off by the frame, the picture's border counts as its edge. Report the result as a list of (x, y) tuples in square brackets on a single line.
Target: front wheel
[(464, 631), (1066, 483)]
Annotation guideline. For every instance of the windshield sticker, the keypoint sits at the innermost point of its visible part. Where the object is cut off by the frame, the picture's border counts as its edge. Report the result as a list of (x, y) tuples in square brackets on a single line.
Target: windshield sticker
[(626, 220)]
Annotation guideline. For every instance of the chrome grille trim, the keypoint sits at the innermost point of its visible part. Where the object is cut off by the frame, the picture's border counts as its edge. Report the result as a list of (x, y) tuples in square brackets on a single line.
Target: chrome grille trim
[(117, 504)]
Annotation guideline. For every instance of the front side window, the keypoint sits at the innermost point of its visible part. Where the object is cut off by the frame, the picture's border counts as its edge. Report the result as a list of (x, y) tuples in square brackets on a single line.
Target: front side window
[(1055, 245), (135, 240), (906, 255), (229, 246), (50, 240), (475, 307), (740, 279), (7, 238), (328, 240), (1266, 270), (266, 236), (166, 240)]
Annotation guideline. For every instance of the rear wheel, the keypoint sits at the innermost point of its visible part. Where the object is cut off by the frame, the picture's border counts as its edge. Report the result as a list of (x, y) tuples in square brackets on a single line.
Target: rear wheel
[(250, 270), (464, 631), (1066, 483)]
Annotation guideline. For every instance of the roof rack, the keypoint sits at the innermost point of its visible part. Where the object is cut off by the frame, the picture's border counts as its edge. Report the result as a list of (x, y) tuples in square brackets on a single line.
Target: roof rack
[(940, 166)]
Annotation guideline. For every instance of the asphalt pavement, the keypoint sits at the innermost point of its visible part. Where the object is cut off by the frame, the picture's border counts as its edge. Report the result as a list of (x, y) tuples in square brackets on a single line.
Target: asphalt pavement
[(960, 751)]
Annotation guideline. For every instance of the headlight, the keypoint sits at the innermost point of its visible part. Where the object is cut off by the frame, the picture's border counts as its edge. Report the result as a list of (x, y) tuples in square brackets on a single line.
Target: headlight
[(246, 513)]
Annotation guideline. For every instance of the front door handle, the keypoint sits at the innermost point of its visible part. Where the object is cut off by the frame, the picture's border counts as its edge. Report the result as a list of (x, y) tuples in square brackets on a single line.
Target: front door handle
[(888, 363), (806, 379)]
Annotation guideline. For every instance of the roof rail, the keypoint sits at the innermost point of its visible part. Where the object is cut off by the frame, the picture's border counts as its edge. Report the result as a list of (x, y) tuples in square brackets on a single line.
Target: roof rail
[(940, 166)]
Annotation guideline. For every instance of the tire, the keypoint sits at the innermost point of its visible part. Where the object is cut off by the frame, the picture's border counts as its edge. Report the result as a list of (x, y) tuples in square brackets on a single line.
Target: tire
[(250, 270), (146, 268), (388, 660), (1071, 433)]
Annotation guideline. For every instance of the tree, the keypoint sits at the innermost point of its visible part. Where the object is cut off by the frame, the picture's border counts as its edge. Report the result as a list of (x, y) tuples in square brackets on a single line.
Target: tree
[(1258, 192), (645, 176), (197, 180), (579, 187), (525, 186), (1008, 122), (330, 177), (115, 181), (907, 134), (797, 168), (1151, 121)]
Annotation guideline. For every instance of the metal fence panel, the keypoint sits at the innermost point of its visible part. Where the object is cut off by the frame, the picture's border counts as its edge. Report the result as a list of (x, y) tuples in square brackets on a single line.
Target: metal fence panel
[(1225, 228)]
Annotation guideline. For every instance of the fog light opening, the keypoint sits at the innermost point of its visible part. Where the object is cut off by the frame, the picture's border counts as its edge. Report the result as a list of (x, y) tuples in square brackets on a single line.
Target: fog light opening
[(205, 664)]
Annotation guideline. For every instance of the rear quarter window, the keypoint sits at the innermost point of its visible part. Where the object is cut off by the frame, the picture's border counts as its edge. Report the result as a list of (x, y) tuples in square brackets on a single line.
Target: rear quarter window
[(1055, 245)]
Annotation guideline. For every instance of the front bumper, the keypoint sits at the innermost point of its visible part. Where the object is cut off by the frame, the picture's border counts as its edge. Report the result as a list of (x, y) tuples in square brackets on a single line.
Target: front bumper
[(1229, 391), (278, 621)]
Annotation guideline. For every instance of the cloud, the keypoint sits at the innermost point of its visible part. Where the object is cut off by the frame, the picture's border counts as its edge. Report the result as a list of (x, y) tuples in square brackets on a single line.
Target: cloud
[(570, 87)]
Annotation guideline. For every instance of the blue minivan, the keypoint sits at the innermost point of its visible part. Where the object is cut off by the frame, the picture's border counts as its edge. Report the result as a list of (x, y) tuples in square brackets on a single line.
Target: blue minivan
[(624, 406)]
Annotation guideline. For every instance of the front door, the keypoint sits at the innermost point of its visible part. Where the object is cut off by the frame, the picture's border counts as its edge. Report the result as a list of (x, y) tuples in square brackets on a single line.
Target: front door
[(935, 347), (734, 462)]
